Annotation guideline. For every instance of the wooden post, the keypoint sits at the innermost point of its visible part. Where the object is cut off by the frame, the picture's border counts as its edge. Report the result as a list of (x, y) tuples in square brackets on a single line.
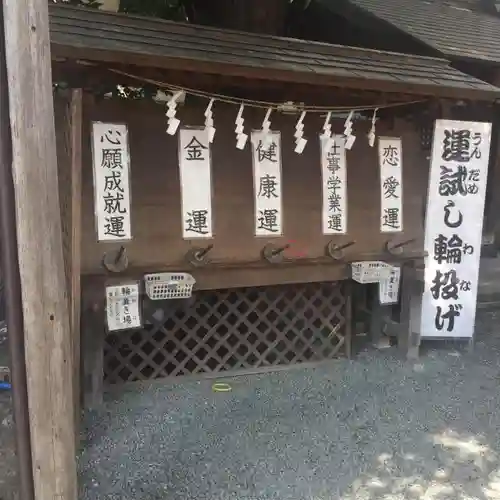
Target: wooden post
[(348, 318), (492, 201), (93, 334), (408, 339), (45, 305), (75, 112), (378, 316), (12, 288), (376, 321)]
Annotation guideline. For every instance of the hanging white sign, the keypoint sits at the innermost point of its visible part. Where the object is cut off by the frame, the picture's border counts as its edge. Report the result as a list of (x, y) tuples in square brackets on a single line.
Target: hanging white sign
[(388, 289), (196, 183), (391, 184), (453, 228), (111, 162), (266, 149), (122, 307), (334, 180)]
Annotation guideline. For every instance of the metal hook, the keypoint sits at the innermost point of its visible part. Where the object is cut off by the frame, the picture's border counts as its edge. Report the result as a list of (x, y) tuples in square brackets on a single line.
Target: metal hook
[(198, 256), (335, 251), (120, 254), (397, 248), (274, 254), (115, 262)]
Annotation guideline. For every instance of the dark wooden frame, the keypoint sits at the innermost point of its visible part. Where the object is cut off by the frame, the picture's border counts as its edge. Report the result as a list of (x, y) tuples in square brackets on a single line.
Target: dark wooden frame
[(94, 333), (382, 322)]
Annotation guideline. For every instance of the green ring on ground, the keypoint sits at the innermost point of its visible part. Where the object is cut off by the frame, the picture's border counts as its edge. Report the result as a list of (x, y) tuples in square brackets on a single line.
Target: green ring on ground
[(221, 387)]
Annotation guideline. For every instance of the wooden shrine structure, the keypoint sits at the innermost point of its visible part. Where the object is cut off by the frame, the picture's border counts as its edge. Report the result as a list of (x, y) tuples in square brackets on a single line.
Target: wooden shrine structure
[(291, 139), (250, 290)]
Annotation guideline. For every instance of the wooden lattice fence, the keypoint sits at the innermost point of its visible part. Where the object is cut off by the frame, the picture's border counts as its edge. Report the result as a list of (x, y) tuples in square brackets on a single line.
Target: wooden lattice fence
[(233, 330)]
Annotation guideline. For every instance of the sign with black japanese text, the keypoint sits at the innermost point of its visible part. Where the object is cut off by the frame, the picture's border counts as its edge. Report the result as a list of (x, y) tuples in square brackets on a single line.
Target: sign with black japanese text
[(196, 183), (334, 180), (391, 184), (122, 307), (266, 149), (388, 289), (453, 227), (111, 162)]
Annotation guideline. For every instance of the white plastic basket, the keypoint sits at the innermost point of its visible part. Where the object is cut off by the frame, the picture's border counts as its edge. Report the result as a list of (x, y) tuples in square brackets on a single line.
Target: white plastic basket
[(165, 286), (370, 271)]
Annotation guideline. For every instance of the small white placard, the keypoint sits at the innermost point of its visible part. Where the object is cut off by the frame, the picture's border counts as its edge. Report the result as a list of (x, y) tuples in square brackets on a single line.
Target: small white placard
[(453, 227), (334, 180), (388, 289), (266, 149), (196, 183), (391, 184), (122, 307), (111, 161)]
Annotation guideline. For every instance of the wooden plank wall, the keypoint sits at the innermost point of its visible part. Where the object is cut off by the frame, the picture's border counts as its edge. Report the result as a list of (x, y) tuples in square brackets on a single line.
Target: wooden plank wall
[(156, 212)]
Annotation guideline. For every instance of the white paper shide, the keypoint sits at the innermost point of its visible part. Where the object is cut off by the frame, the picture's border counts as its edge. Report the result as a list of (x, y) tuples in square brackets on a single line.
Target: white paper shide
[(122, 307), (266, 149), (111, 162), (196, 183), (391, 184), (334, 181), (388, 289), (453, 229)]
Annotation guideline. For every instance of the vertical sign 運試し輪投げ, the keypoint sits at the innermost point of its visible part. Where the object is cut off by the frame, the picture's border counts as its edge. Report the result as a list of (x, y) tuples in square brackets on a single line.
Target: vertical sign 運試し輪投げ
[(453, 228)]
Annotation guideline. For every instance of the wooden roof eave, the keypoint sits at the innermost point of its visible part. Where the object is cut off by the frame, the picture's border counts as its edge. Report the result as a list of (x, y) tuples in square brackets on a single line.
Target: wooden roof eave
[(311, 77)]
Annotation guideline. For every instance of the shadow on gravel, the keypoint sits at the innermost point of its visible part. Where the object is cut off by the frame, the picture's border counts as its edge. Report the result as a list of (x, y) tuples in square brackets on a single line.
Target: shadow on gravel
[(371, 428)]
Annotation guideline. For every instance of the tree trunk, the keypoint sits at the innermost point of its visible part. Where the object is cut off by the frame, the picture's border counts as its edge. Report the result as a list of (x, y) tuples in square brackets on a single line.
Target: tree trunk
[(255, 16)]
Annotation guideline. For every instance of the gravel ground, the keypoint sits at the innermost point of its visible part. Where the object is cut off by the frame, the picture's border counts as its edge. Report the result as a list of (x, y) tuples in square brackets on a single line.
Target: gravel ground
[(8, 463), (372, 428)]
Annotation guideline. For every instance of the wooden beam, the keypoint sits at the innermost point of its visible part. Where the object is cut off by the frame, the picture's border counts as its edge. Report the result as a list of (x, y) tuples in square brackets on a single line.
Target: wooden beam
[(263, 74), (76, 119), (38, 217), (97, 77)]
